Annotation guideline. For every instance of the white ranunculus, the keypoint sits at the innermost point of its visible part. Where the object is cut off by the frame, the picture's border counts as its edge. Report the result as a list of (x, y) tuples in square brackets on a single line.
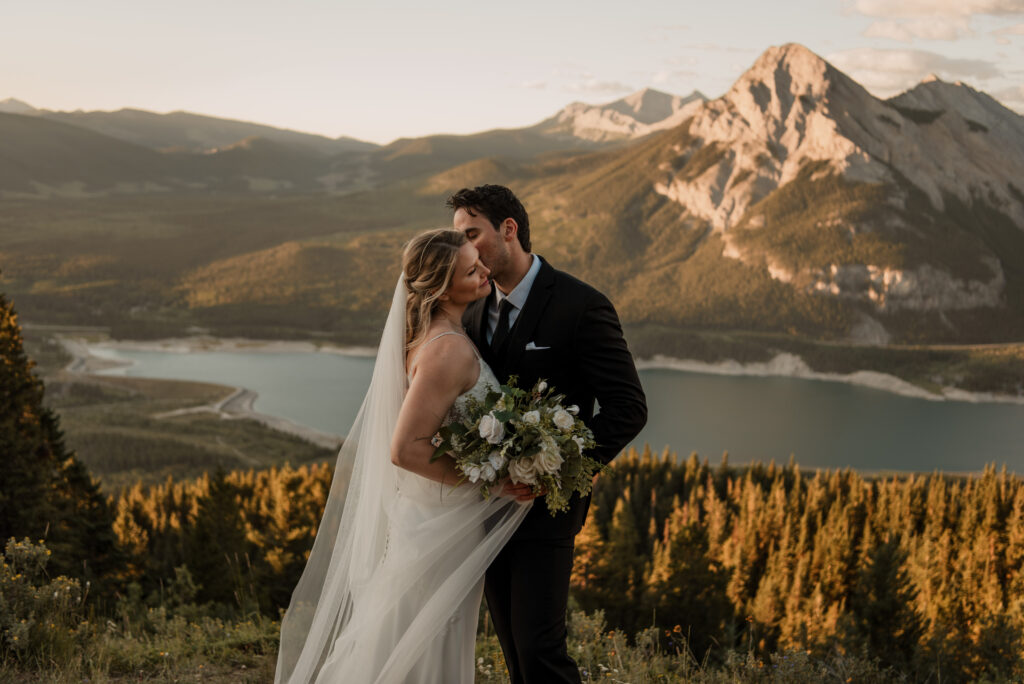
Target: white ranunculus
[(563, 419), (574, 409), (491, 429), (473, 472), (548, 459), (520, 471), (497, 460), (487, 472), (531, 417), (541, 386)]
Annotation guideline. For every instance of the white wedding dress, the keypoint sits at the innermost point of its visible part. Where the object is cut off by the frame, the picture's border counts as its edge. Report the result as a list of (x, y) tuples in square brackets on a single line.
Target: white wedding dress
[(392, 588)]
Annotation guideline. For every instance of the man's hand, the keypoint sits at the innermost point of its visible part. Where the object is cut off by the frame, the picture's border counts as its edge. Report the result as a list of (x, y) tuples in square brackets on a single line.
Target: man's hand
[(519, 492)]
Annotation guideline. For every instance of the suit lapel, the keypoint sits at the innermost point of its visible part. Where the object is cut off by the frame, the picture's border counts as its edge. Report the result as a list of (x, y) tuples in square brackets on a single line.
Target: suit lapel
[(526, 322)]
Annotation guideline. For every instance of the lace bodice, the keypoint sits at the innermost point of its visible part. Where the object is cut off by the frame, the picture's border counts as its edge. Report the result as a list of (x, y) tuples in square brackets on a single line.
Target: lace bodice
[(485, 381)]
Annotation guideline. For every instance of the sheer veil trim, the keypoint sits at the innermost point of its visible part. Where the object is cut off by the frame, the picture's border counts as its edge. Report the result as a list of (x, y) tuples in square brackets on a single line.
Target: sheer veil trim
[(395, 555)]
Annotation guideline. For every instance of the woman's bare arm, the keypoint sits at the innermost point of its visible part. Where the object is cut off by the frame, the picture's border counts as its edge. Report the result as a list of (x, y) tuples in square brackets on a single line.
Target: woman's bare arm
[(444, 370)]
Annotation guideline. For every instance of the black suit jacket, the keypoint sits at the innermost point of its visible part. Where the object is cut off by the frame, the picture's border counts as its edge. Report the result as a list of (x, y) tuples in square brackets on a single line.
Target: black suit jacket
[(582, 354)]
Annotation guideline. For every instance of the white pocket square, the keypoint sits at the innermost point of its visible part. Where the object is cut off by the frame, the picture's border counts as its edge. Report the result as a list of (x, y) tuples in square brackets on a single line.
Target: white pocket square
[(532, 346)]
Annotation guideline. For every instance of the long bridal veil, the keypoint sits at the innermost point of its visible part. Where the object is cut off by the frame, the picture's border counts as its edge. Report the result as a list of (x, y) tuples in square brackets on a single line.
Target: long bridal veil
[(397, 559)]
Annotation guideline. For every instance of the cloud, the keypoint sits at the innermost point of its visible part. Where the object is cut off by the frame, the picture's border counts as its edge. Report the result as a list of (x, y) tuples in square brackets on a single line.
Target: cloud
[(907, 20), (927, 28), (714, 47), (594, 85), (667, 76), (1011, 97), (887, 72), (905, 9), (1001, 34)]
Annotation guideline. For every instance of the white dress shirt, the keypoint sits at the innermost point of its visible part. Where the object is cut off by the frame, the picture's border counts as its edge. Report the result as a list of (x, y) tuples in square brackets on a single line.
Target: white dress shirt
[(517, 298)]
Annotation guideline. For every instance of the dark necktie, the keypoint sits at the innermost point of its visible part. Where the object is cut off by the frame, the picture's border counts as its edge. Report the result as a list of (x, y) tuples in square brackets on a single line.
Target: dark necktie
[(501, 332)]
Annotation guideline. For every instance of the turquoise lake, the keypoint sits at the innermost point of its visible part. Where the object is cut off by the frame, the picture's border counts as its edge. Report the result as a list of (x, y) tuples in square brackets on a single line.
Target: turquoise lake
[(823, 424)]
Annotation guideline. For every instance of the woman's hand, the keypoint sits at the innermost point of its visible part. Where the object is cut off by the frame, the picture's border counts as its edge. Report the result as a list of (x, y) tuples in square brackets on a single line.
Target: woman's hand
[(519, 492)]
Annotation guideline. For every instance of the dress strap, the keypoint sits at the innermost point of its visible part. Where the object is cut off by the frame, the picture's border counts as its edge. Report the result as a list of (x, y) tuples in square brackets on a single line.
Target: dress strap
[(412, 361)]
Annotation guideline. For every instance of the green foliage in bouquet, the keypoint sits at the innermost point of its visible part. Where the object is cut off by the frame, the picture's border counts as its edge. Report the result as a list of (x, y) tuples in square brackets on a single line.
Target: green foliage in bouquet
[(528, 437)]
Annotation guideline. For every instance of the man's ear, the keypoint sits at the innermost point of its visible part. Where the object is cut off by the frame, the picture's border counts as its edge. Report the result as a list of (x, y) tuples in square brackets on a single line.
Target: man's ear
[(509, 229)]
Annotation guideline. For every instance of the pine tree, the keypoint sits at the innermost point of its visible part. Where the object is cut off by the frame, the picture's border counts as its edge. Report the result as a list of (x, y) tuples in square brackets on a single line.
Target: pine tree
[(217, 550), (623, 586), (45, 492), (686, 588), (881, 618)]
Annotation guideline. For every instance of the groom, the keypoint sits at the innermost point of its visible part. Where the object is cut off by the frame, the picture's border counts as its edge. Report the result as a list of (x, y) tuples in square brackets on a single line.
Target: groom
[(542, 323)]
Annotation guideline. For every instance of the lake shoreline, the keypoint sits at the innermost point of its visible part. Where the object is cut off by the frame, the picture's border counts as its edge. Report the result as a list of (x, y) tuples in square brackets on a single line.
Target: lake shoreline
[(238, 404), (88, 358), (782, 365), (792, 366)]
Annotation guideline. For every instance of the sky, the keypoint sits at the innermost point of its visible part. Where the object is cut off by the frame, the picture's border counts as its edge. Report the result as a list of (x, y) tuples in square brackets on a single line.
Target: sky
[(382, 70)]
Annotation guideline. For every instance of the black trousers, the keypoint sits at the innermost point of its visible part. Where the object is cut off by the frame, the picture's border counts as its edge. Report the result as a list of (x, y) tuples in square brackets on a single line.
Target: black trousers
[(527, 589)]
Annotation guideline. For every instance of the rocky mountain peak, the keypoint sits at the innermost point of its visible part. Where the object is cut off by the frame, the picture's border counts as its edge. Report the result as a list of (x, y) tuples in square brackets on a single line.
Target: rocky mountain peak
[(13, 106), (636, 115), (938, 96), (649, 106), (789, 76)]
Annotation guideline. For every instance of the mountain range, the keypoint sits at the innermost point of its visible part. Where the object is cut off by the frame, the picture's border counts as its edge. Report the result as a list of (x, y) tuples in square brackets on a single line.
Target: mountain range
[(797, 203)]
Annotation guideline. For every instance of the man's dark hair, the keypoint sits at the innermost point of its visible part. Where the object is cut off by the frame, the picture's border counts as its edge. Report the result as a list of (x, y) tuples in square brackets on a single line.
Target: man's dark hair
[(497, 203)]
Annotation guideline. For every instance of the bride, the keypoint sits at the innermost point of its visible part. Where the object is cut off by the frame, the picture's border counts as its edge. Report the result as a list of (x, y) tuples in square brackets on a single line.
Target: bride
[(392, 587)]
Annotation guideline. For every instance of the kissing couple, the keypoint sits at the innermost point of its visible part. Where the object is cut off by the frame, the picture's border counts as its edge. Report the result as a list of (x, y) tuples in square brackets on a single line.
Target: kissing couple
[(392, 588)]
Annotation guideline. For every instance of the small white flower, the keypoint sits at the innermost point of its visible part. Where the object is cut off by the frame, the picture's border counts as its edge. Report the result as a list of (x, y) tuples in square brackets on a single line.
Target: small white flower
[(579, 443), (491, 429), (520, 471), (472, 472), (497, 460), (541, 386), (563, 419), (574, 410), (531, 417), (487, 472)]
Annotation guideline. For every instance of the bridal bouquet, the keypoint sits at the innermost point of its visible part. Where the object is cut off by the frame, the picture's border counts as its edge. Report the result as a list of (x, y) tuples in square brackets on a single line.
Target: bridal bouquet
[(527, 436)]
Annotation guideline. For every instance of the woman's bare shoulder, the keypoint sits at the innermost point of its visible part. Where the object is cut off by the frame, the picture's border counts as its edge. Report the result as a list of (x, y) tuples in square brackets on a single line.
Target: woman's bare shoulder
[(446, 355)]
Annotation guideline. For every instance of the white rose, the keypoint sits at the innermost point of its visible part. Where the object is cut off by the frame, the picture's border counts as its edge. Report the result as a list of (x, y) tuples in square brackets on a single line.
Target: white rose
[(520, 471), (549, 459), (531, 417), (497, 460), (574, 409), (579, 443), (487, 472), (563, 419), (541, 386), (472, 472), (491, 429)]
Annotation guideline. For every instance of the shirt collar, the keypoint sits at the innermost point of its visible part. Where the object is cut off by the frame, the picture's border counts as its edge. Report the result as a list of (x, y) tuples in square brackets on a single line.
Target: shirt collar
[(517, 297)]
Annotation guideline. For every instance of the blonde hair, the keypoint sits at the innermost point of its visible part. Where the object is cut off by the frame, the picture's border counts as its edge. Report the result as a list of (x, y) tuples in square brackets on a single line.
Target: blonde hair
[(428, 264)]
